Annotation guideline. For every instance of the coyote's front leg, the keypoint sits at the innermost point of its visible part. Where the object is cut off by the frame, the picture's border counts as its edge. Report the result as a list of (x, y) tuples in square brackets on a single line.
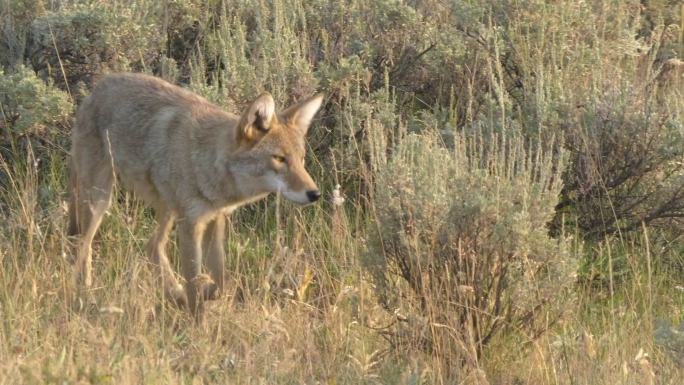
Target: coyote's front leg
[(214, 255), (190, 235), (156, 248)]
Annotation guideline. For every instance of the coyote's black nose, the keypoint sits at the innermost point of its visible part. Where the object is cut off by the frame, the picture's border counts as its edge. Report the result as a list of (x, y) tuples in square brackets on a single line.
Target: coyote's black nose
[(313, 195)]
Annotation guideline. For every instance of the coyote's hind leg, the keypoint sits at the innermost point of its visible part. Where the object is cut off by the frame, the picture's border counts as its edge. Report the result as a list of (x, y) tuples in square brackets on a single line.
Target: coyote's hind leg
[(91, 198)]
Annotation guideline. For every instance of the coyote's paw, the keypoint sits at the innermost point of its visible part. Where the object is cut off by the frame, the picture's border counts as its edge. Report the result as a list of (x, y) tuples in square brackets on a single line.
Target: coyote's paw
[(206, 287), (176, 295), (211, 292)]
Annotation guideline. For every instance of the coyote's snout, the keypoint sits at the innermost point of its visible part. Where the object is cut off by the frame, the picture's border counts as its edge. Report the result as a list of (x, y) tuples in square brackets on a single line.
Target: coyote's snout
[(188, 159)]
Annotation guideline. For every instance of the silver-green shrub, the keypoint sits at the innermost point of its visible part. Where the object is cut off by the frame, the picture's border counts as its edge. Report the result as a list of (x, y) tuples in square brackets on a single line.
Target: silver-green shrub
[(28, 105), (462, 233), (80, 41)]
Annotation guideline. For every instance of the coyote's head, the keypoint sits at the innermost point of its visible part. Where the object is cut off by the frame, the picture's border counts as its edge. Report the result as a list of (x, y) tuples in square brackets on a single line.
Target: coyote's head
[(271, 149)]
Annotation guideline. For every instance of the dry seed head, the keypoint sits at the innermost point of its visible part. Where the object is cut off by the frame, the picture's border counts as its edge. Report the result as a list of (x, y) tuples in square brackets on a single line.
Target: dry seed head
[(337, 199)]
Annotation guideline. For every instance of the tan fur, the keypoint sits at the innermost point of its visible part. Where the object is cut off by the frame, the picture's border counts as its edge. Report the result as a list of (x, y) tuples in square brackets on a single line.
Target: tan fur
[(189, 160)]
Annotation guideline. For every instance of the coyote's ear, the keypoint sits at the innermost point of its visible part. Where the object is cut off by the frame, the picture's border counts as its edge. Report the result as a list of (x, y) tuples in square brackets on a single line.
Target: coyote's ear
[(256, 121), (301, 114)]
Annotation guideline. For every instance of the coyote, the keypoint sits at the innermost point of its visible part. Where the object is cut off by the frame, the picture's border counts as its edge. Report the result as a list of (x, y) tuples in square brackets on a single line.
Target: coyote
[(189, 160)]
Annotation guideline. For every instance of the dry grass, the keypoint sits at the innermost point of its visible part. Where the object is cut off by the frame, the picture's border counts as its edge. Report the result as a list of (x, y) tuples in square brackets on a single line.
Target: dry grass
[(288, 319), (608, 339), (299, 314)]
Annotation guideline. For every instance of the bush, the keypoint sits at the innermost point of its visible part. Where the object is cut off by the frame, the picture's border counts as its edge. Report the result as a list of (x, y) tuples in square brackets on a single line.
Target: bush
[(255, 47), (30, 106), (34, 117), (75, 44), (626, 163), (464, 230), (613, 90), (15, 23)]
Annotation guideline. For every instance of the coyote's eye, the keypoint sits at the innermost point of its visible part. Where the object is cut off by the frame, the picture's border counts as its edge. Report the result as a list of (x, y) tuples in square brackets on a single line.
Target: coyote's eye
[(280, 159)]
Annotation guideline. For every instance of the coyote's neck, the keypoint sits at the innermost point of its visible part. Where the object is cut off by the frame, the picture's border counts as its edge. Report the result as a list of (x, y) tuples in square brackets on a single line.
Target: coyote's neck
[(223, 179)]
